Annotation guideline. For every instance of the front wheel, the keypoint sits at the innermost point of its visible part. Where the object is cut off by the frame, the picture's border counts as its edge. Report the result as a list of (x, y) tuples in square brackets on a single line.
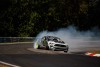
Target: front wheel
[(66, 50)]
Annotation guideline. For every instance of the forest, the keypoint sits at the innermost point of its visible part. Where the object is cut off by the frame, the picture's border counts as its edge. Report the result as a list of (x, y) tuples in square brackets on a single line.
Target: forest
[(26, 18)]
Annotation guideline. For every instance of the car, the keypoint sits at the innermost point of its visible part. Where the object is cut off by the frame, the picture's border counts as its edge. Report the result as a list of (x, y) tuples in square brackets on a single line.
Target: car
[(51, 43)]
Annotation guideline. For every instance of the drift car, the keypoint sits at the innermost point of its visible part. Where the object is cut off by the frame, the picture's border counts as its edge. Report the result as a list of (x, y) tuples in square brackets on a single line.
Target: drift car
[(51, 43)]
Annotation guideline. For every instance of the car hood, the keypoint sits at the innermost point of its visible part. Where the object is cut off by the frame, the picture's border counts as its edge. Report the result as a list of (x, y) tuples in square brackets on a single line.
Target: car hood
[(52, 42), (58, 42)]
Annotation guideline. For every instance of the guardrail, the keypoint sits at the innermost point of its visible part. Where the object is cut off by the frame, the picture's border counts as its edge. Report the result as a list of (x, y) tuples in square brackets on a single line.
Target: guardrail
[(16, 39)]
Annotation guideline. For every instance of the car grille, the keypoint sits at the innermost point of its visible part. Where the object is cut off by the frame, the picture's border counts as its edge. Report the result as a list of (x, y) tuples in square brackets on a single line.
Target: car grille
[(59, 45)]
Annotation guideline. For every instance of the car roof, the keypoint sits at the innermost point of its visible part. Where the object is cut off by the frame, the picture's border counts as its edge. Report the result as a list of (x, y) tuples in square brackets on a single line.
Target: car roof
[(51, 37)]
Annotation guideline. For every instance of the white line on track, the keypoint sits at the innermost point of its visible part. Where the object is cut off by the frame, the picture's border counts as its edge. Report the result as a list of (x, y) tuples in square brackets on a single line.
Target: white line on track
[(8, 64)]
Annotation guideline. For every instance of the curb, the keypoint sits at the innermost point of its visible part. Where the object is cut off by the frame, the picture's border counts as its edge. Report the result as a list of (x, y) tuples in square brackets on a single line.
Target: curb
[(92, 54)]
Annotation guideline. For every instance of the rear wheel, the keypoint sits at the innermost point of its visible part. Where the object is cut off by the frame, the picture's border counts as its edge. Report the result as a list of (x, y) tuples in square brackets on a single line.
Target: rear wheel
[(37, 46)]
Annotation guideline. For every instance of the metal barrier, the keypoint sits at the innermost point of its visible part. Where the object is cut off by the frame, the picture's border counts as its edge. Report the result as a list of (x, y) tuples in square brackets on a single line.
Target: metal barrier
[(16, 39)]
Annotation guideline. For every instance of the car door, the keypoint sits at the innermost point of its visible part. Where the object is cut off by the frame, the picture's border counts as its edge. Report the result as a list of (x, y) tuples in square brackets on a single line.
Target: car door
[(42, 41)]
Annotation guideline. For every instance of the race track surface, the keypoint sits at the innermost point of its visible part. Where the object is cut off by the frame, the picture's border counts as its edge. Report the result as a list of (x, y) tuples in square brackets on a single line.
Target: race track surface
[(19, 54)]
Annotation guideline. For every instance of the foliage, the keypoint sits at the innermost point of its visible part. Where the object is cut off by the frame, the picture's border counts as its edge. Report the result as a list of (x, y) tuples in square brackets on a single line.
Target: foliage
[(29, 17)]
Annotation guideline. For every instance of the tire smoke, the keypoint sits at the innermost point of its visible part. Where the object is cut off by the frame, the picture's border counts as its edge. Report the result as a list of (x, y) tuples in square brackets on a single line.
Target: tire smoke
[(76, 40)]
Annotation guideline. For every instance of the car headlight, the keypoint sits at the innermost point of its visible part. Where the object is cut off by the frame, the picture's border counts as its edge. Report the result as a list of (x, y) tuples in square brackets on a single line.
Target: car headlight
[(51, 44)]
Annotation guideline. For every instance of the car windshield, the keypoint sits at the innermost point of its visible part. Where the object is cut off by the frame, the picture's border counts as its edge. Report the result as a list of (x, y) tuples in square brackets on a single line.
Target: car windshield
[(55, 39)]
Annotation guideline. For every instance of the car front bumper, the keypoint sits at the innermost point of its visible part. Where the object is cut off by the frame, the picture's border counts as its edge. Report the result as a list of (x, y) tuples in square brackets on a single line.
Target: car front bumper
[(59, 48)]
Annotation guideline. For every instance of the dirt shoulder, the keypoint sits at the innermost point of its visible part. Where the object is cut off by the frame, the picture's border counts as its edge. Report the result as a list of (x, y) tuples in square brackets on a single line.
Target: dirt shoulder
[(4, 65)]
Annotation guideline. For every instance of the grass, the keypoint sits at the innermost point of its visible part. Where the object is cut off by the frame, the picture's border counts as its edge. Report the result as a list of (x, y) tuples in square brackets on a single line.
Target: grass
[(97, 52)]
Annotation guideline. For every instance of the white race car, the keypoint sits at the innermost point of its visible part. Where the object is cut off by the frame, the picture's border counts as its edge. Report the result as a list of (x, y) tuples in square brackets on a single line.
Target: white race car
[(52, 43)]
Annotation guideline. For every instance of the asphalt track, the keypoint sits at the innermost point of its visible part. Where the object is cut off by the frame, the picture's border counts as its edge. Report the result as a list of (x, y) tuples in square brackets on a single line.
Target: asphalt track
[(18, 54)]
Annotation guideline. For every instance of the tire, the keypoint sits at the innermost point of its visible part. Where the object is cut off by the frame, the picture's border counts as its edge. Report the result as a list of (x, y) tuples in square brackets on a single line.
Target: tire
[(37, 46), (66, 50)]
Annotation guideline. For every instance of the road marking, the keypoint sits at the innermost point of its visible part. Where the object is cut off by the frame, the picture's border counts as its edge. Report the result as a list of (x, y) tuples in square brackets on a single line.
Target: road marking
[(8, 64)]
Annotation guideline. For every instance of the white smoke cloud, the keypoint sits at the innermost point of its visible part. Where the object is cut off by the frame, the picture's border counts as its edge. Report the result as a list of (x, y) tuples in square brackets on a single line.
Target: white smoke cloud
[(74, 38)]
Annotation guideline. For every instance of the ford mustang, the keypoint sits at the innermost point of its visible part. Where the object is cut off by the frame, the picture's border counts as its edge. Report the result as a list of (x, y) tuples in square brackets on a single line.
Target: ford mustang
[(51, 43)]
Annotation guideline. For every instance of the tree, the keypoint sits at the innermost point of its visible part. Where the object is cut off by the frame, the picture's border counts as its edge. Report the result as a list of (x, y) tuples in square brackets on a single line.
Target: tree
[(29, 17)]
